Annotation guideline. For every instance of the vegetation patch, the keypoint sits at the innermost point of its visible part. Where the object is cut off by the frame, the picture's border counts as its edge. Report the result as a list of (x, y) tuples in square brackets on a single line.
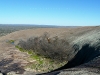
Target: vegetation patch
[(53, 48), (40, 63), (10, 41), (48, 53)]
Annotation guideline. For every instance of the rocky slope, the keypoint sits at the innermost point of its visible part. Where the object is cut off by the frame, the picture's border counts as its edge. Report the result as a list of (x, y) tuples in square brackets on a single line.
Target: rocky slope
[(87, 56), (85, 40)]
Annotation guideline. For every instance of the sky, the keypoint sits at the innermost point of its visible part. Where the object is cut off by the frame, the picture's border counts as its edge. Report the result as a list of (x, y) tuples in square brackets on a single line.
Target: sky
[(50, 12)]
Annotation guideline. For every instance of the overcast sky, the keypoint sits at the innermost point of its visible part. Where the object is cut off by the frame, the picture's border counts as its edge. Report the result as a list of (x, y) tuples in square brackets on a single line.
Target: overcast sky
[(50, 12)]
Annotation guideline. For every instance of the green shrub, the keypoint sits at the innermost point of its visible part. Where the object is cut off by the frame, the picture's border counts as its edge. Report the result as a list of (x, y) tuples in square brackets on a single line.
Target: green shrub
[(54, 48)]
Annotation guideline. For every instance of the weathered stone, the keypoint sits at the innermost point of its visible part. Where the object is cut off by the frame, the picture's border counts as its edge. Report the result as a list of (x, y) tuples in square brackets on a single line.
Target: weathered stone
[(86, 60)]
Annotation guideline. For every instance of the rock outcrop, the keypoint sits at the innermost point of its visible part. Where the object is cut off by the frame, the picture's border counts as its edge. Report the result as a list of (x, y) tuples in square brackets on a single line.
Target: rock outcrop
[(86, 60)]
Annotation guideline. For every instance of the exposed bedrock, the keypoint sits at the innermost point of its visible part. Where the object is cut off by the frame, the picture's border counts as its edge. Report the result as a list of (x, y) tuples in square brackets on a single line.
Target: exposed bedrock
[(86, 56)]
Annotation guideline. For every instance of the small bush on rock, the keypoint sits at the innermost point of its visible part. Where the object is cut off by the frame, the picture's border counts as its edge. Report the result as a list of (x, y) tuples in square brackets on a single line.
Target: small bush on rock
[(53, 48)]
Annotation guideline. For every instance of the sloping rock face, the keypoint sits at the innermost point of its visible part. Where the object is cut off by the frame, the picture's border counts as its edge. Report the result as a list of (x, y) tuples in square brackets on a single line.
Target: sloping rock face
[(86, 60)]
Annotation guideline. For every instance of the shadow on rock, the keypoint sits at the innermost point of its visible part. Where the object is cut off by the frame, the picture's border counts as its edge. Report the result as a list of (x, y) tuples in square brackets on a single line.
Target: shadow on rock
[(7, 65), (83, 56)]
